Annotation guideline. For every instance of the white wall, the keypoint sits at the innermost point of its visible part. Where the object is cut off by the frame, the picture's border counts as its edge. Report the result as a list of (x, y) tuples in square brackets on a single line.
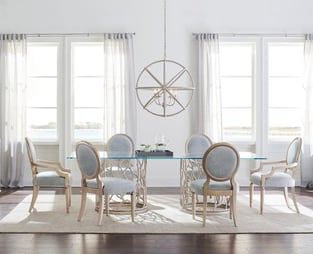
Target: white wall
[(145, 18)]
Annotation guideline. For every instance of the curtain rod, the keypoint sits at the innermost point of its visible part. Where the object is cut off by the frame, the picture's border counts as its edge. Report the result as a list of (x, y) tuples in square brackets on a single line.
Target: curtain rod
[(257, 34), (71, 34)]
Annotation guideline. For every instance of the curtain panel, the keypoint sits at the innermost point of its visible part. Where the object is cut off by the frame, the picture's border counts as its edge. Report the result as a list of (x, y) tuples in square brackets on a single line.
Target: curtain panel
[(207, 105), (307, 157), (119, 84), (13, 88)]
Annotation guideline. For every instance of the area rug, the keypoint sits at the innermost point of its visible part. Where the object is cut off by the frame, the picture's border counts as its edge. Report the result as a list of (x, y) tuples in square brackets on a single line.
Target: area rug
[(163, 216)]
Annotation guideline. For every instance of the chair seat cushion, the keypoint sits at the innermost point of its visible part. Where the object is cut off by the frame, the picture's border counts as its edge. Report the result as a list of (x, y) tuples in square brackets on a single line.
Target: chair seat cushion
[(114, 185), (197, 186), (49, 179), (279, 179)]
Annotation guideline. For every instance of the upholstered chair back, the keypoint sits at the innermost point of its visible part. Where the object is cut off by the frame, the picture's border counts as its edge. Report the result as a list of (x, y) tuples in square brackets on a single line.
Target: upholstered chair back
[(197, 144), (221, 162), (88, 160), (120, 145), (31, 150), (294, 150)]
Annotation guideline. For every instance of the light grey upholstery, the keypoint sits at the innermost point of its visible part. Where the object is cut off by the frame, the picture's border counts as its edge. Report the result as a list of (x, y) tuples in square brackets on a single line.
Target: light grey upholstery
[(49, 179), (279, 179), (196, 145), (119, 145), (114, 185), (47, 174), (279, 173), (197, 185), (220, 164), (89, 163)]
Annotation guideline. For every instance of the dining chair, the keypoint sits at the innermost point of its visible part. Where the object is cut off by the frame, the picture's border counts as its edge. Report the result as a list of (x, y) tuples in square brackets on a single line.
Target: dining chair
[(47, 174), (119, 145), (278, 174), (196, 145), (220, 164), (102, 186)]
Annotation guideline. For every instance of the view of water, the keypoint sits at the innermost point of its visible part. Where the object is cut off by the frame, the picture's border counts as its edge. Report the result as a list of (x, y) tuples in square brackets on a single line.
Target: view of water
[(48, 134)]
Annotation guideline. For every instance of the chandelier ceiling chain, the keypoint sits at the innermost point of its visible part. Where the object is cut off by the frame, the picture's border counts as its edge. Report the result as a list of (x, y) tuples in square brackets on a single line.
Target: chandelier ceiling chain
[(159, 84), (164, 29)]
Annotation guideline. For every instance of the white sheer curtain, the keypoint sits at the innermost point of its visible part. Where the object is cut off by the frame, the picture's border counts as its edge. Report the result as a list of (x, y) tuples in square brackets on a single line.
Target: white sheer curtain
[(307, 158), (207, 107), (119, 85), (12, 87)]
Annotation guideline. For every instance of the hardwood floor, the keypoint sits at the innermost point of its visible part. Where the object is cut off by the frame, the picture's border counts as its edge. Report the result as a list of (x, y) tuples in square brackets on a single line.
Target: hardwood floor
[(151, 243)]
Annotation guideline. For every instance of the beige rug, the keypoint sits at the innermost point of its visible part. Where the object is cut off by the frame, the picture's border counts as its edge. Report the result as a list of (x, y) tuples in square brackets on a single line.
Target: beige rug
[(164, 216)]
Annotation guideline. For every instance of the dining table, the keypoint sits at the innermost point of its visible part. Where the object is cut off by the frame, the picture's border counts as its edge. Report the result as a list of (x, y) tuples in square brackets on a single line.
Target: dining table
[(135, 167)]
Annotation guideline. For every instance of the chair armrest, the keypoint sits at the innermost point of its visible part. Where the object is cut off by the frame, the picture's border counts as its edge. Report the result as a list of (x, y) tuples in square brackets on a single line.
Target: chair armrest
[(291, 166), (52, 165), (285, 167), (267, 163)]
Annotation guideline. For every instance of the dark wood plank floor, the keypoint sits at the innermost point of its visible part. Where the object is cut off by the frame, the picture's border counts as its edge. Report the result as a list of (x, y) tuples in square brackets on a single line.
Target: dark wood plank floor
[(151, 243)]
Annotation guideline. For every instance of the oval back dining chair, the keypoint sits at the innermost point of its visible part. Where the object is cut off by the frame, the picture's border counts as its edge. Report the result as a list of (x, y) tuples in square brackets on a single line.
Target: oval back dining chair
[(280, 175), (47, 174), (92, 182), (195, 146), (119, 145), (220, 164)]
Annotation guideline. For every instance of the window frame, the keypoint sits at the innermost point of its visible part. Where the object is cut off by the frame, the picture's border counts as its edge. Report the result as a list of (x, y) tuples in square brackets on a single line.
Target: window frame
[(59, 76), (261, 140), (254, 100), (265, 43), (65, 103), (69, 103)]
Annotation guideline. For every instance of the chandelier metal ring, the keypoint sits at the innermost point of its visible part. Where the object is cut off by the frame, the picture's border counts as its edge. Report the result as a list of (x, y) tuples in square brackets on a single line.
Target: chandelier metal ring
[(163, 88)]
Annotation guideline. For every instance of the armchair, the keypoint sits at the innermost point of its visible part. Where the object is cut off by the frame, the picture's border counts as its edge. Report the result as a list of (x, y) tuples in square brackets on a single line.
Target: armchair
[(47, 174), (280, 175)]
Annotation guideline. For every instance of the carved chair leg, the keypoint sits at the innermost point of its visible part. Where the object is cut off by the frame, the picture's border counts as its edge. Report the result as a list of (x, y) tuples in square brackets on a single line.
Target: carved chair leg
[(233, 209), (82, 205), (100, 212), (205, 197), (286, 197), (251, 192), (262, 199), (294, 199), (34, 197), (68, 198)]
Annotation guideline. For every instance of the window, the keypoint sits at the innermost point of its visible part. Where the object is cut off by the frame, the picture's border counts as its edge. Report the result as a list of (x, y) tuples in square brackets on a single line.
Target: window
[(262, 92), (88, 87), (42, 80), (285, 92), (237, 68), (68, 94)]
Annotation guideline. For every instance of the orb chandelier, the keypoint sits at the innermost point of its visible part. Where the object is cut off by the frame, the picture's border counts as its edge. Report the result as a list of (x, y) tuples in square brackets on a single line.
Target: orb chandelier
[(164, 87)]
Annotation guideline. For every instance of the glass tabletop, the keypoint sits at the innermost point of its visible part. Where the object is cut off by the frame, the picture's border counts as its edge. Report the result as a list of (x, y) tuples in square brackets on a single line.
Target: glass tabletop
[(118, 156)]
